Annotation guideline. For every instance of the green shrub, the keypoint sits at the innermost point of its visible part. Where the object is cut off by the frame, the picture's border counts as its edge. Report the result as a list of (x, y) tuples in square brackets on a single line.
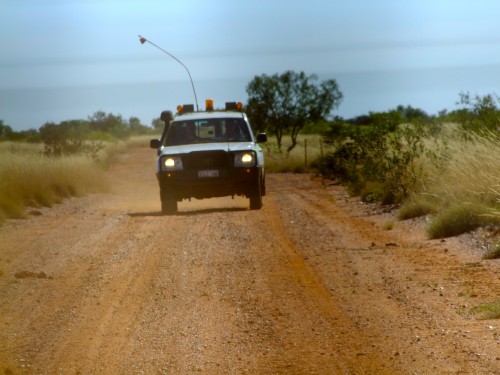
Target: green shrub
[(479, 113), (385, 153), (341, 164), (441, 165), (371, 192)]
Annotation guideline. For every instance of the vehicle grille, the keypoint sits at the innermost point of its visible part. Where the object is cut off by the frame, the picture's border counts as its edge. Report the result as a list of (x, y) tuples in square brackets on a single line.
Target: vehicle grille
[(207, 160)]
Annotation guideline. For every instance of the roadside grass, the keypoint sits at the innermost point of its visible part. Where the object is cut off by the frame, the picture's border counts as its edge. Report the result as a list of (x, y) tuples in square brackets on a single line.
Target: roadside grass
[(459, 185), (413, 208), (459, 182), (460, 218), (309, 148), (22, 148), (28, 178), (108, 154)]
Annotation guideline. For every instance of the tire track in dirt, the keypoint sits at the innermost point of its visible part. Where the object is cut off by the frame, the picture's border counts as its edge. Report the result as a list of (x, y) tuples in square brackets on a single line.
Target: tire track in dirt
[(388, 276), (109, 305), (97, 298), (350, 341)]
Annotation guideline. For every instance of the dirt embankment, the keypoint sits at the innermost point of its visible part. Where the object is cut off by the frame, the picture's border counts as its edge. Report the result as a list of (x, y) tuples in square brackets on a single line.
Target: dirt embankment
[(310, 284)]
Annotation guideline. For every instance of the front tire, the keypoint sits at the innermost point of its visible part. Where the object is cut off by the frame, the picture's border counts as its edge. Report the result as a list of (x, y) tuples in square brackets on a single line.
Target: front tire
[(168, 203), (256, 196)]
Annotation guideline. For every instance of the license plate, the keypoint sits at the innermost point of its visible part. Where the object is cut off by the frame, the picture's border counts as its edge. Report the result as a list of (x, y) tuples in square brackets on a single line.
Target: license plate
[(208, 173)]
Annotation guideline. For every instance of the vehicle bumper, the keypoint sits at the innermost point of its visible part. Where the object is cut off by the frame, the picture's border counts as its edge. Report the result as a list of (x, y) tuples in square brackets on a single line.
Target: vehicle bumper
[(230, 181)]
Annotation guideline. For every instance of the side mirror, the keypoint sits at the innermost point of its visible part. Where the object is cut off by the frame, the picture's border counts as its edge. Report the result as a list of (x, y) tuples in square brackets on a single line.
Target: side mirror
[(155, 143), (261, 138)]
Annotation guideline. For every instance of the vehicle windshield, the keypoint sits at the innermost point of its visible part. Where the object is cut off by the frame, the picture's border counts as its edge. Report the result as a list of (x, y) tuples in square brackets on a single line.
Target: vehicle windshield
[(207, 131)]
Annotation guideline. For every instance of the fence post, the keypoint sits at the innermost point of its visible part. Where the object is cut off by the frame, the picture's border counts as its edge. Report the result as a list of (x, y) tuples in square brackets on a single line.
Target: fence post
[(305, 152)]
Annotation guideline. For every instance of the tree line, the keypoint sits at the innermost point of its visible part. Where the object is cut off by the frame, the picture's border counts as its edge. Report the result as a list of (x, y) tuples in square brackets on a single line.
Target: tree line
[(288, 103), (79, 136), (283, 104)]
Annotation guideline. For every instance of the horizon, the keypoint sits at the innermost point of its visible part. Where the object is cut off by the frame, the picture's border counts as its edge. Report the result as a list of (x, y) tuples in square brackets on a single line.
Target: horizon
[(70, 103), (65, 61)]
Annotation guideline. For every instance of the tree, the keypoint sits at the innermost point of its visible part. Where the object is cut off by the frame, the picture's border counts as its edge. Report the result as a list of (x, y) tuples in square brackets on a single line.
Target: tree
[(411, 114), (479, 112), (109, 123), (69, 138), (136, 127), (6, 131), (158, 124), (285, 103)]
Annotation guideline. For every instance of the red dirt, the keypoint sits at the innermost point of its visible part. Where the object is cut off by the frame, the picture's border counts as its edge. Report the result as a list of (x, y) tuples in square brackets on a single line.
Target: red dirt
[(310, 284)]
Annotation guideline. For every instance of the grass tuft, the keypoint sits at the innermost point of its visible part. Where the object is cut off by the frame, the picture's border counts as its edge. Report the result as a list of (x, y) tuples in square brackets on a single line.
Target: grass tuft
[(494, 253), (415, 208), (489, 310), (459, 167), (461, 218), (388, 225)]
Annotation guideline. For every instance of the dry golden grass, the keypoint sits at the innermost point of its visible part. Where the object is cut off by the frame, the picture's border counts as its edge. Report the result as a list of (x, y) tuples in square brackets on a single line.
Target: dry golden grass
[(107, 155), (464, 180), (20, 148), (466, 173), (470, 171), (28, 178), (298, 160)]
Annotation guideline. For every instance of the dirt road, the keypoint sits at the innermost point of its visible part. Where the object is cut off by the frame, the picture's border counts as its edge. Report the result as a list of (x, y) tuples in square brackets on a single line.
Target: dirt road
[(310, 284)]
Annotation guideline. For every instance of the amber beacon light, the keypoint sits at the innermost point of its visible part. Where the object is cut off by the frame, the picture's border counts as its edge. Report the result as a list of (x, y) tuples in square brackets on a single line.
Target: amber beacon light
[(144, 40)]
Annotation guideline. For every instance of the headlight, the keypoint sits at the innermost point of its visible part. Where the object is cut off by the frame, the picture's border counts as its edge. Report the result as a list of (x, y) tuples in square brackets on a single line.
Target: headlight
[(244, 159), (171, 163)]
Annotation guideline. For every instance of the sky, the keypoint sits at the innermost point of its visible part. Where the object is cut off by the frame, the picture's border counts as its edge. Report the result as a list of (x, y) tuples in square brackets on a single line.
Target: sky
[(67, 59)]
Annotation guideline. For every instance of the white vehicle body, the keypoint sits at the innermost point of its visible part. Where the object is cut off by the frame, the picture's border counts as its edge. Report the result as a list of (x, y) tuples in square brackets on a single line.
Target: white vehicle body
[(209, 154)]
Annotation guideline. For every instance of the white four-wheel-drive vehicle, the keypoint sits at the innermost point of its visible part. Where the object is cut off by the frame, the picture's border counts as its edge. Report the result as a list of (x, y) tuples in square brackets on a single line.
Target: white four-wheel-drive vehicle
[(209, 154)]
